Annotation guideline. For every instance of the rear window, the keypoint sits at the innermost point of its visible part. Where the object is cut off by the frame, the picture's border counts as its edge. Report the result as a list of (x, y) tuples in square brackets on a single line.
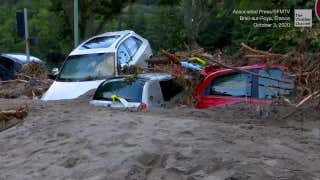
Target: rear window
[(129, 89), (170, 89), (269, 88), (99, 42)]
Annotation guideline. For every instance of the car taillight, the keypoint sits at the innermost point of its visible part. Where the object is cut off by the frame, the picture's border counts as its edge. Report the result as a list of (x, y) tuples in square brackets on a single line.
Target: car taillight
[(143, 106)]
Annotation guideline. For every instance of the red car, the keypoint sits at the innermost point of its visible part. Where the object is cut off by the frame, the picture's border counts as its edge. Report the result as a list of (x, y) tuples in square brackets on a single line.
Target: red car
[(221, 86)]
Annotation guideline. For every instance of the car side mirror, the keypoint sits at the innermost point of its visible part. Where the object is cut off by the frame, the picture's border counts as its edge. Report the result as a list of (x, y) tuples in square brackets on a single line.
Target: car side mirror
[(55, 71)]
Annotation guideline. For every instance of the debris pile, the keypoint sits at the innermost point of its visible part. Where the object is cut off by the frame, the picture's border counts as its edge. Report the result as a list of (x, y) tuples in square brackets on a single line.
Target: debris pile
[(7, 116), (303, 68), (35, 70), (32, 82)]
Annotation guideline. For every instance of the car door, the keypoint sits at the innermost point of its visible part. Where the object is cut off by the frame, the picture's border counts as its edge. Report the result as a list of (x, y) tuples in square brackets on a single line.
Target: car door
[(227, 89), (128, 52)]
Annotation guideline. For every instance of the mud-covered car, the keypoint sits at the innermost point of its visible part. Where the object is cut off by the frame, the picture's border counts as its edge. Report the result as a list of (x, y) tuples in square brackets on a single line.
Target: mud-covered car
[(96, 59), (11, 64), (144, 90), (221, 86)]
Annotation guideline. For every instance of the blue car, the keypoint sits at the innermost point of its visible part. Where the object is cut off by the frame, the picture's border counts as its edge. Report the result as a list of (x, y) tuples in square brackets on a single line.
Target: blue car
[(11, 64)]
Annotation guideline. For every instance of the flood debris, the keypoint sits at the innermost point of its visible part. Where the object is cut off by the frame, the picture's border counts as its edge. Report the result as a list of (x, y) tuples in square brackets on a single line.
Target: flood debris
[(189, 68), (302, 67), (31, 82), (34, 70), (6, 116), (12, 63)]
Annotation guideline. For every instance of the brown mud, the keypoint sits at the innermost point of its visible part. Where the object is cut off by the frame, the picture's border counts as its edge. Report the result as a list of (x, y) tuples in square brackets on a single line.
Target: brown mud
[(72, 140)]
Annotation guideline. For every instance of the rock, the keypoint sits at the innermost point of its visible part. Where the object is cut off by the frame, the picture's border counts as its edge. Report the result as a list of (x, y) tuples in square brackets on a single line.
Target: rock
[(147, 158)]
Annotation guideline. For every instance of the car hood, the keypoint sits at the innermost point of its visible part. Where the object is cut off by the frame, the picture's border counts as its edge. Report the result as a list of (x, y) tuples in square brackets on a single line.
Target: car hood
[(69, 90), (115, 104)]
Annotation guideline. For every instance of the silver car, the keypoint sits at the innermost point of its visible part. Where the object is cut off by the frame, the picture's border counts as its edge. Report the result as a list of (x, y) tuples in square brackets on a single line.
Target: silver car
[(96, 59), (144, 90)]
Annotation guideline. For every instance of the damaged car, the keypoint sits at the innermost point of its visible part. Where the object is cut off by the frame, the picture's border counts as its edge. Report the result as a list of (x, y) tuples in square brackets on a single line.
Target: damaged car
[(11, 64), (96, 59), (222, 86), (142, 91)]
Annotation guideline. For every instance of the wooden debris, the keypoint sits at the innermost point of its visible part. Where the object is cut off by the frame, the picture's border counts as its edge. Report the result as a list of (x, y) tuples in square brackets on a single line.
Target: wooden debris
[(306, 99), (31, 82), (14, 80), (35, 70), (172, 57), (259, 52), (8, 115)]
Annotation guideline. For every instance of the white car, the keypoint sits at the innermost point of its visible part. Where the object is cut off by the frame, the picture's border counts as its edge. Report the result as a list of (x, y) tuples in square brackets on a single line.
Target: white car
[(145, 90), (96, 59)]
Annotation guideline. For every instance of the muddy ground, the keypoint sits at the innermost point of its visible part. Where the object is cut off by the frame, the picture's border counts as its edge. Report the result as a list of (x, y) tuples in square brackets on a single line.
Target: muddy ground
[(73, 141)]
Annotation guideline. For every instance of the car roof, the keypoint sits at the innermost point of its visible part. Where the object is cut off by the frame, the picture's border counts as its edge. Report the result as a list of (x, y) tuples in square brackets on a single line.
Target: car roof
[(116, 33), (156, 76), (216, 68), (112, 48), (20, 57), (147, 77)]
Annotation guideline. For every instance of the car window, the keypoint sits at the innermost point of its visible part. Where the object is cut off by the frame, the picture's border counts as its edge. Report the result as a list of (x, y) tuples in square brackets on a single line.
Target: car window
[(169, 89), (6, 63), (6, 69), (133, 44), (235, 84), (123, 55), (131, 90), (99, 42), (268, 88)]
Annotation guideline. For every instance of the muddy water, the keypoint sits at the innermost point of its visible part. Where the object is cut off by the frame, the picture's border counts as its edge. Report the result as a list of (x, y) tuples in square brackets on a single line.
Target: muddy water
[(71, 140)]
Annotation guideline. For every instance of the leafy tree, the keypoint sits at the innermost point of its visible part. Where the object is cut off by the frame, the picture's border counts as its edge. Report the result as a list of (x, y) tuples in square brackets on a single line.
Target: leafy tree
[(220, 37), (196, 14), (166, 24), (162, 26), (93, 13)]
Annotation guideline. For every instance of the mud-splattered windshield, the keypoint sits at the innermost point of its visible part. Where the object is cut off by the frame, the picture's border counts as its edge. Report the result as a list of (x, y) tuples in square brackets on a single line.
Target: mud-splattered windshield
[(87, 67)]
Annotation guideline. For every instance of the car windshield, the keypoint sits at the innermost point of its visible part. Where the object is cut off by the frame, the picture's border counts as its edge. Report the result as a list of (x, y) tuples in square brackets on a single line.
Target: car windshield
[(87, 67), (127, 88)]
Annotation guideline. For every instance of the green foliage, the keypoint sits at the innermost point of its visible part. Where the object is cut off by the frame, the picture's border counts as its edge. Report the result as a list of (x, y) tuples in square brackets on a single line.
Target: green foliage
[(162, 26), (166, 24), (9, 42), (222, 35), (44, 28)]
